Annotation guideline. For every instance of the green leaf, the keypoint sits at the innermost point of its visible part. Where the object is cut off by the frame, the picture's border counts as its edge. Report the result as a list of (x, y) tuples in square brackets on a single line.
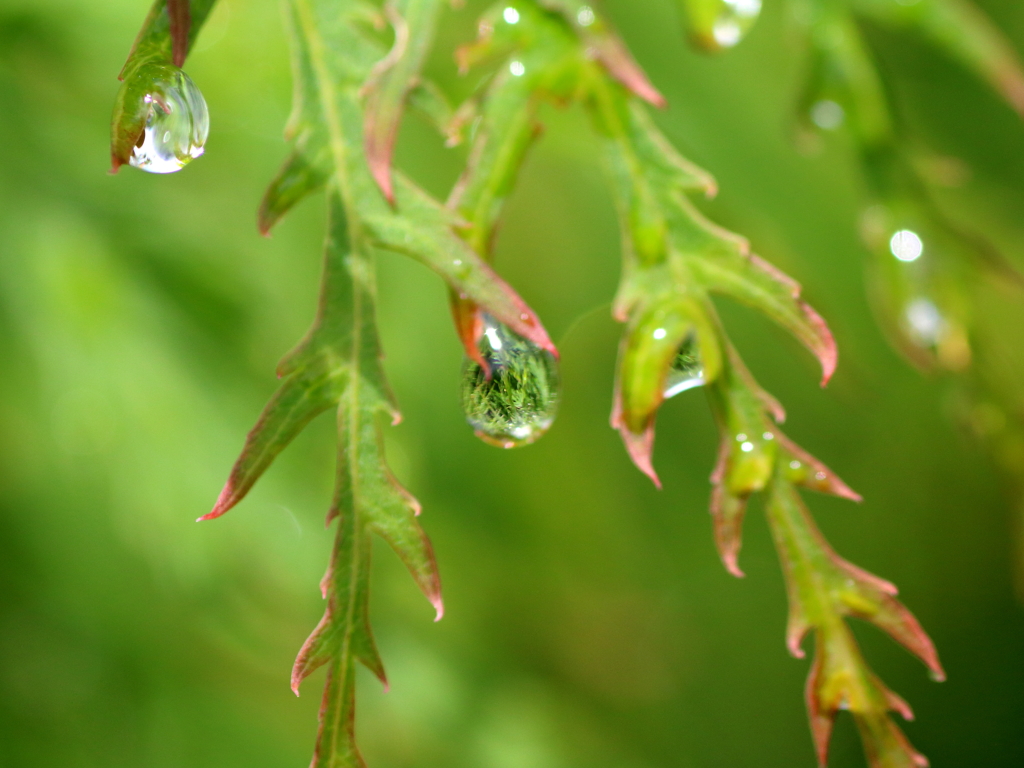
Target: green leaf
[(823, 590), (339, 365), (392, 80), (597, 35), (963, 32), (161, 31)]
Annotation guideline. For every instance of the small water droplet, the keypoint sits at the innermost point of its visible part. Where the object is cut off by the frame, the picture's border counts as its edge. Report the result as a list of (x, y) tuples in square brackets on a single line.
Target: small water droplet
[(819, 476), (687, 370), (827, 114), (795, 464), (511, 15), (517, 68), (734, 20), (747, 447), (585, 16), (924, 322), (517, 405), (742, 436), (768, 436), (177, 126)]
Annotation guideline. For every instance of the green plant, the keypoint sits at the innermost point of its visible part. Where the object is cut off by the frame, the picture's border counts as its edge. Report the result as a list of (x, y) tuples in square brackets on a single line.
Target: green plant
[(353, 83)]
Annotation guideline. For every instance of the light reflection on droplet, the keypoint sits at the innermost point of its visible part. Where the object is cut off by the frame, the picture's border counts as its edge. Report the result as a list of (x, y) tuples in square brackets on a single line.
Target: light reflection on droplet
[(492, 336), (827, 114), (687, 368), (511, 15), (727, 33), (659, 333), (747, 447), (795, 464), (517, 68), (741, 437), (585, 16), (906, 245), (819, 475), (734, 20), (768, 436), (925, 321)]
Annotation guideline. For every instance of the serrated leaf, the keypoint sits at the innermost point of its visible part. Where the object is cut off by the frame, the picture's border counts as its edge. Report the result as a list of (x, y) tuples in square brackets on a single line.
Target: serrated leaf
[(823, 590), (305, 394), (330, 71), (305, 171), (392, 79), (724, 264), (840, 680), (598, 36)]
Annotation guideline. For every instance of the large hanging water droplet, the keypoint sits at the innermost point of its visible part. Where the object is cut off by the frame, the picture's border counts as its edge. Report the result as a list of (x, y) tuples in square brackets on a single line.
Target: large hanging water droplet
[(687, 370), (734, 20), (177, 126), (517, 405)]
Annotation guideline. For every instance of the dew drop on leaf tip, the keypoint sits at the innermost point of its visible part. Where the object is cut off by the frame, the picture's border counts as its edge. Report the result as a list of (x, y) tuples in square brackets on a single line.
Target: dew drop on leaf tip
[(177, 126), (687, 370), (734, 20), (517, 404)]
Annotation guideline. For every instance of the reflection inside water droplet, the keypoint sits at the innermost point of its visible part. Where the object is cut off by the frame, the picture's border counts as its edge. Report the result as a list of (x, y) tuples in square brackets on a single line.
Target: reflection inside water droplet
[(517, 405), (687, 370), (176, 129), (734, 20)]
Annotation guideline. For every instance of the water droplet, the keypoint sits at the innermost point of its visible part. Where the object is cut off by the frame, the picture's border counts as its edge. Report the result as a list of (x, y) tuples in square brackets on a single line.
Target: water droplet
[(176, 127), (768, 436), (906, 245), (924, 322), (827, 114), (741, 437), (795, 464), (819, 476), (585, 16), (747, 447), (511, 15), (517, 68), (517, 405), (687, 370), (734, 20)]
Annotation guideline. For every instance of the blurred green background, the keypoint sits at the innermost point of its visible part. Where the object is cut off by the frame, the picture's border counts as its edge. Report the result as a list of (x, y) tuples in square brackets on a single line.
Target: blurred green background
[(588, 622)]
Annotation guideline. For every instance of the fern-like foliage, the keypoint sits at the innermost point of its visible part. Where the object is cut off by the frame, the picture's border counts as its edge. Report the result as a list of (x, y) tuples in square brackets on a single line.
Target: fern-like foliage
[(928, 270), (351, 90)]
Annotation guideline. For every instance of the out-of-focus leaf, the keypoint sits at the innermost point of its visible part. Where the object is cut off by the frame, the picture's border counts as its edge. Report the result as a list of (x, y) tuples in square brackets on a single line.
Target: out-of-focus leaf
[(965, 33), (598, 36), (303, 173)]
